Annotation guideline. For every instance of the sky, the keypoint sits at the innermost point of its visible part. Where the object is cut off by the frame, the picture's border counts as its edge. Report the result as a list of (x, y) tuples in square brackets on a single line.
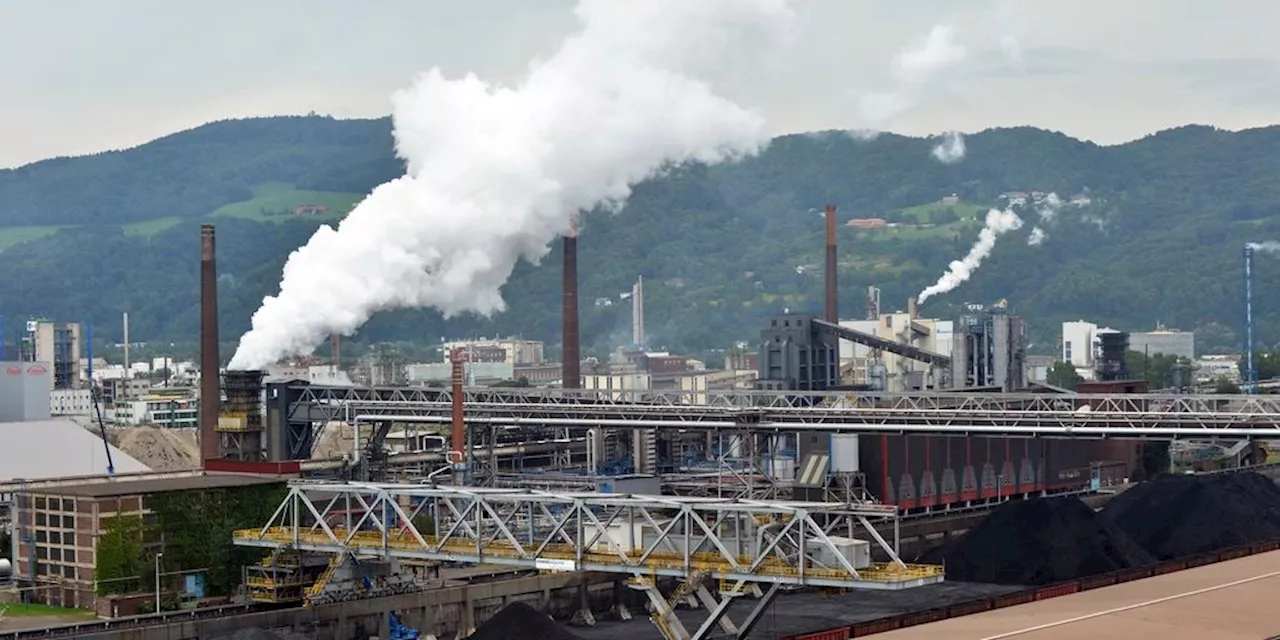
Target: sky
[(82, 76)]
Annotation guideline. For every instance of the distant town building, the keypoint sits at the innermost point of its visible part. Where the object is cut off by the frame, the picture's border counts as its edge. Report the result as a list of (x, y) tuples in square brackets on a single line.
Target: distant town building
[(1215, 367), (513, 351), (1169, 342), (310, 210), (868, 223), (950, 200), (57, 344), (1078, 338)]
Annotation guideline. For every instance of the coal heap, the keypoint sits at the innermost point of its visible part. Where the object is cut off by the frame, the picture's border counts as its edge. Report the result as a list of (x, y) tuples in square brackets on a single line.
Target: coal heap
[(1180, 515), (1040, 541), (519, 621)]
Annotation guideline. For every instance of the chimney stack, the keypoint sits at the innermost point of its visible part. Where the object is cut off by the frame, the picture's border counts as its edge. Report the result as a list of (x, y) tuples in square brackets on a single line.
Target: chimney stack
[(911, 307), (457, 442), (210, 396), (126, 342), (832, 314), (637, 313), (571, 360)]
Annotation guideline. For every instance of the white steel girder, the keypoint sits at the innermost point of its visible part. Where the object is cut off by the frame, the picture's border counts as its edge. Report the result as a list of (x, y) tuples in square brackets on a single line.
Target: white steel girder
[(1014, 414), (643, 536)]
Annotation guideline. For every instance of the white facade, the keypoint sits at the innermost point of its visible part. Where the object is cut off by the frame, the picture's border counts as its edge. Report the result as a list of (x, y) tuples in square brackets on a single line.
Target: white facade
[(1210, 368), (622, 382), (71, 402), (161, 411), (899, 327), (1169, 343), (517, 351), (438, 372), (1078, 339)]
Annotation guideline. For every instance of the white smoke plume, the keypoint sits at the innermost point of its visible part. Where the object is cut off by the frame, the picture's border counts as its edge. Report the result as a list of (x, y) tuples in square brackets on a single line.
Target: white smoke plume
[(914, 71), (950, 149), (495, 173), (1047, 210), (998, 223), (1271, 246)]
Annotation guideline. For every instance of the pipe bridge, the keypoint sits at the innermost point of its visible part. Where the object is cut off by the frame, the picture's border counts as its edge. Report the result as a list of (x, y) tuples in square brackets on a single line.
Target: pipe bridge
[(737, 544), (935, 413)]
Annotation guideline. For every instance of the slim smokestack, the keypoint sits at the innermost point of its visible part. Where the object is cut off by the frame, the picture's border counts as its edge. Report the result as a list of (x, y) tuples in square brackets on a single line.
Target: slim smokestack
[(637, 313), (571, 372), (458, 441), (832, 314), (126, 342), (210, 398), (911, 308), (335, 350)]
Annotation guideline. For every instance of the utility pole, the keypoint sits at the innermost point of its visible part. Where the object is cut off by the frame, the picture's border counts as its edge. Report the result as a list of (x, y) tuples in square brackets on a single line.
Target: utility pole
[(159, 555)]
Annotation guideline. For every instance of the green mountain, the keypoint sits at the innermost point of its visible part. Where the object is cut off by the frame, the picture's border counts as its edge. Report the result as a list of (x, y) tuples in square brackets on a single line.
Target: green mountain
[(719, 247)]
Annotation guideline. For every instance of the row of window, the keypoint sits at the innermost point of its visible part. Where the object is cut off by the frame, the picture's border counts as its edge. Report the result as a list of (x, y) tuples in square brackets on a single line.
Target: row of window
[(55, 521), (55, 553), (53, 570), (56, 504), (56, 537)]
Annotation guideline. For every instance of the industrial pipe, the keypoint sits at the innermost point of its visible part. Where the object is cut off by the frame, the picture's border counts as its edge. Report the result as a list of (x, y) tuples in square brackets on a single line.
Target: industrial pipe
[(832, 314), (540, 446)]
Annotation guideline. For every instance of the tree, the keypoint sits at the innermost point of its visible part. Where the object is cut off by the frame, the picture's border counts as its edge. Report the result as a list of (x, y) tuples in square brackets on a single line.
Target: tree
[(1225, 385), (1063, 374)]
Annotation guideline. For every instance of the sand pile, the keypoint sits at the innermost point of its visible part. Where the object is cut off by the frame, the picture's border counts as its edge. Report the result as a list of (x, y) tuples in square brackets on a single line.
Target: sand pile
[(1036, 542), (519, 621), (338, 438), (160, 449), (1179, 515)]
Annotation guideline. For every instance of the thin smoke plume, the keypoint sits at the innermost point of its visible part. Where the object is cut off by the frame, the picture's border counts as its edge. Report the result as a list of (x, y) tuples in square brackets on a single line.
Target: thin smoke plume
[(997, 224), (950, 149), (495, 173), (1271, 246), (1048, 211)]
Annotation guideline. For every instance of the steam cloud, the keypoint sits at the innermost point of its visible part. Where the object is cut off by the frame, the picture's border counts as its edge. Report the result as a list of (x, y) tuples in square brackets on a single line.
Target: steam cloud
[(1270, 246), (914, 71), (494, 174), (1047, 210), (951, 149), (998, 223)]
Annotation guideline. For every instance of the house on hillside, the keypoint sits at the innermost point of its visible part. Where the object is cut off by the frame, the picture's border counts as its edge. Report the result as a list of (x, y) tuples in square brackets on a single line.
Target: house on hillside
[(310, 210)]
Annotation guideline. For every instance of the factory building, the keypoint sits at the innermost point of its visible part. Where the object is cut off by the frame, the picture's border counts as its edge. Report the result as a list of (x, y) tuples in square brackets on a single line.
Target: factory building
[(864, 365), (989, 350), (513, 351), (1078, 338), (56, 344), (1169, 342), (60, 526), (24, 391)]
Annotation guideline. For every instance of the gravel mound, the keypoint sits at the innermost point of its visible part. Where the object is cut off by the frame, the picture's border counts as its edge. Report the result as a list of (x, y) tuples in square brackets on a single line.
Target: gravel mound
[(1179, 515), (1037, 542), (519, 621)]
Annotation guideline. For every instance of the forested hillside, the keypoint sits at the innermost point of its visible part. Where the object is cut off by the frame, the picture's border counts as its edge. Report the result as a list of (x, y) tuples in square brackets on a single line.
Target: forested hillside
[(719, 247)]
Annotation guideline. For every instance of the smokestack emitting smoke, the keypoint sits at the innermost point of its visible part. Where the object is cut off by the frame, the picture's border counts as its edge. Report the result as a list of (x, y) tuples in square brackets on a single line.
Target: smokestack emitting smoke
[(998, 223), (493, 173), (833, 304), (210, 394)]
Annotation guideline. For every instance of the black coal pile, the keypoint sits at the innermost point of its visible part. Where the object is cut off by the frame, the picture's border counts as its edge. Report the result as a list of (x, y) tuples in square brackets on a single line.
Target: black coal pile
[(1035, 542), (1179, 515), (519, 621)]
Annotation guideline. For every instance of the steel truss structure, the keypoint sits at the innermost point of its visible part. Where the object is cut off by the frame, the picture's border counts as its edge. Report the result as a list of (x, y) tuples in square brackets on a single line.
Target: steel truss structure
[(951, 413), (693, 540)]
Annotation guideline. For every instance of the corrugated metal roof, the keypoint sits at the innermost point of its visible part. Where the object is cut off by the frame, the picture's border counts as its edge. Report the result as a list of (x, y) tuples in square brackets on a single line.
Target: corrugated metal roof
[(54, 449), (158, 485)]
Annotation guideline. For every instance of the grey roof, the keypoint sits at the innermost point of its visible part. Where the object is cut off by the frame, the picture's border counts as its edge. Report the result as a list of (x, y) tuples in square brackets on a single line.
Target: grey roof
[(157, 485), (39, 449)]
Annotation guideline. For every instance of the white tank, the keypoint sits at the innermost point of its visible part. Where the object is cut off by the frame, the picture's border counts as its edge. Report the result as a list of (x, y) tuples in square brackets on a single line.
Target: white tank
[(6, 569)]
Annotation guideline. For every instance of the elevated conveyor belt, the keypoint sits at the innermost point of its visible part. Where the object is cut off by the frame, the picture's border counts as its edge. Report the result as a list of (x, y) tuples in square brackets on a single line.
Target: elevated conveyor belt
[(891, 346)]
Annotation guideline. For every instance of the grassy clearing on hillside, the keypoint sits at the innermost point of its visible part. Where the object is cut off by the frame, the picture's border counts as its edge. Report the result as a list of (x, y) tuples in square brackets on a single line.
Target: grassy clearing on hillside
[(922, 212), (10, 236), (274, 202), (150, 227)]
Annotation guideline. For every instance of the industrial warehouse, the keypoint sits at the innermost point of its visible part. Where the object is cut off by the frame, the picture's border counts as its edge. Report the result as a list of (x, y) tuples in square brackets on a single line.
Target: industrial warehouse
[(681, 513)]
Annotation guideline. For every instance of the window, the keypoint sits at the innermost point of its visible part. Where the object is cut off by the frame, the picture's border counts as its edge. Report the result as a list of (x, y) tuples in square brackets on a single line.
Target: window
[(68, 504), (41, 536), (69, 572), (42, 553), (68, 555), (55, 537), (41, 503), (68, 522), (41, 520), (69, 539)]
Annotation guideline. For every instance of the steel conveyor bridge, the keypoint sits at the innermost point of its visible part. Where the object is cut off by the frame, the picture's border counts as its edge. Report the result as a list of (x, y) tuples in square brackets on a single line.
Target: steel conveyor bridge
[(739, 544), (935, 413)]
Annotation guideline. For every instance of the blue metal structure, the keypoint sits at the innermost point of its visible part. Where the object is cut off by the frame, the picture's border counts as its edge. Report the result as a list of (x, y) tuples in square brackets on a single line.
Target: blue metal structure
[(1250, 373)]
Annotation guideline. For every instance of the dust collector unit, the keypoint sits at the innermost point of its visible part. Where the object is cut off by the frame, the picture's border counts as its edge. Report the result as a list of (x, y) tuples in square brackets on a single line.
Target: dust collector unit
[(240, 421)]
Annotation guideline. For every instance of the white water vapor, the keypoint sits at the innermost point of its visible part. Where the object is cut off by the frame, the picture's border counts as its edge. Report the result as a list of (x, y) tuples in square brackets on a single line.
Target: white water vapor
[(1047, 209), (495, 173), (950, 149), (998, 223), (1271, 246), (913, 71)]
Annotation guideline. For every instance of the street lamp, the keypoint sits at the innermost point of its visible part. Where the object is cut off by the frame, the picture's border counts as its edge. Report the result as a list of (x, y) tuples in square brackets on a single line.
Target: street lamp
[(158, 556)]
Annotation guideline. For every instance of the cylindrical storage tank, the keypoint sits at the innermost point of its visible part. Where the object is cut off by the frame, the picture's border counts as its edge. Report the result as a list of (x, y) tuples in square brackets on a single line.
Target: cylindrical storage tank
[(844, 453), (6, 569)]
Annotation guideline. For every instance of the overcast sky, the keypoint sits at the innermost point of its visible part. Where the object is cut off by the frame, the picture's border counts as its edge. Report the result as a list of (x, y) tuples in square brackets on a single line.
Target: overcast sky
[(79, 76)]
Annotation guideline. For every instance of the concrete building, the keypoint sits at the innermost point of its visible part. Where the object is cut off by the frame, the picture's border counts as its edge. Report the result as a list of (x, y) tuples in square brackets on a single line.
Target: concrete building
[(71, 402), (164, 411), (117, 390), (859, 364), (58, 345), (1078, 338), (1169, 342), (61, 527), (24, 391), (620, 381), (479, 373), (515, 351), (1215, 367)]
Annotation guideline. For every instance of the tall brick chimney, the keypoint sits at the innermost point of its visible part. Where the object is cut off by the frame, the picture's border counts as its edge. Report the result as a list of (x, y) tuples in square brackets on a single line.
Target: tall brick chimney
[(210, 396)]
